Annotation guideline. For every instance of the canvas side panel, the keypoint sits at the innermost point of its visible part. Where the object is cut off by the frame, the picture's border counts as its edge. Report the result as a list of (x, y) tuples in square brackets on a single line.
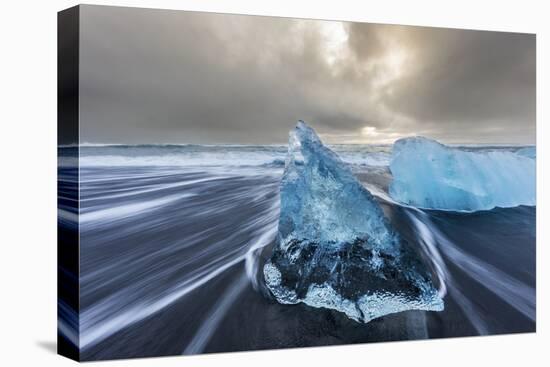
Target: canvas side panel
[(68, 183)]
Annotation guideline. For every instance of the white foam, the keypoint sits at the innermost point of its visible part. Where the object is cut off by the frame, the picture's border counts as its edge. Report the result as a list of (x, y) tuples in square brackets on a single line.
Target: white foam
[(129, 210)]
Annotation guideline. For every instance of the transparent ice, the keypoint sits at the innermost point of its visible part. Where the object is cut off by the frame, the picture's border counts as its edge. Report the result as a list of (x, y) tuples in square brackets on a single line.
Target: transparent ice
[(335, 248)]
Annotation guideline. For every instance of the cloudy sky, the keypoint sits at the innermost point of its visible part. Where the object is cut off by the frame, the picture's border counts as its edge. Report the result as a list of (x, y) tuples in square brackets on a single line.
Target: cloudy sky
[(157, 76)]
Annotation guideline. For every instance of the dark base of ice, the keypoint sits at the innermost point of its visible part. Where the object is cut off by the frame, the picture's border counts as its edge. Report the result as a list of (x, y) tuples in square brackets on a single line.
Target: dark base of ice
[(354, 270)]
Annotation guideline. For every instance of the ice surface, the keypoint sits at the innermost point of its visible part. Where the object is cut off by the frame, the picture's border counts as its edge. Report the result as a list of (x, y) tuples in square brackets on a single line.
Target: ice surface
[(529, 152), (335, 247), (428, 174)]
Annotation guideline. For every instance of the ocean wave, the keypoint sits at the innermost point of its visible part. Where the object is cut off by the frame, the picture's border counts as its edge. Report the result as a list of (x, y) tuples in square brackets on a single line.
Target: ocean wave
[(190, 155), (197, 155)]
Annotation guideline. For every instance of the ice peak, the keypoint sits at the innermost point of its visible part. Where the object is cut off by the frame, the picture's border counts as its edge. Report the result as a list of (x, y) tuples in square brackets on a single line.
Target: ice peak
[(314, 186), (305, 134)]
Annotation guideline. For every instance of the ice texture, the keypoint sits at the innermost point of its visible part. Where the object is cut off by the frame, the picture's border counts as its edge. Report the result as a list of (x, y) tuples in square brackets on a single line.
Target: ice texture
[(529, 152), (428, 174), (335, 248)]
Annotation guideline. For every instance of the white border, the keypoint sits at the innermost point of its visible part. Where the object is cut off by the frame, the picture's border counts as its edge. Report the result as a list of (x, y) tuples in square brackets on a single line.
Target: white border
[(28, 180)]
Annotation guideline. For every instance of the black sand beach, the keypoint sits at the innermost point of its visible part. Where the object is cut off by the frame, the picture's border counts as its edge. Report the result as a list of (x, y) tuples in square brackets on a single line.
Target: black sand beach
[(170, 261)]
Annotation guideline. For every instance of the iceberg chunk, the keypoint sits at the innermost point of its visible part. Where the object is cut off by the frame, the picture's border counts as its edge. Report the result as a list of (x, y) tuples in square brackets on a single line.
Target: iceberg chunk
[(428, 174), (335, 248)]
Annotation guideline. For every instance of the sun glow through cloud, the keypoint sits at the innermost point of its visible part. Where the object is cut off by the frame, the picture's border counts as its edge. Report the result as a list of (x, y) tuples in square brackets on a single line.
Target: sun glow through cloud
[(335, 37), (369, 131), (395, 61)]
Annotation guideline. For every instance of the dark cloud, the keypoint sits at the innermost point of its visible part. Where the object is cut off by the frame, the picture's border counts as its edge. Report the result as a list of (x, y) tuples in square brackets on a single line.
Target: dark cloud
[(468, 78), (173, 76)]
